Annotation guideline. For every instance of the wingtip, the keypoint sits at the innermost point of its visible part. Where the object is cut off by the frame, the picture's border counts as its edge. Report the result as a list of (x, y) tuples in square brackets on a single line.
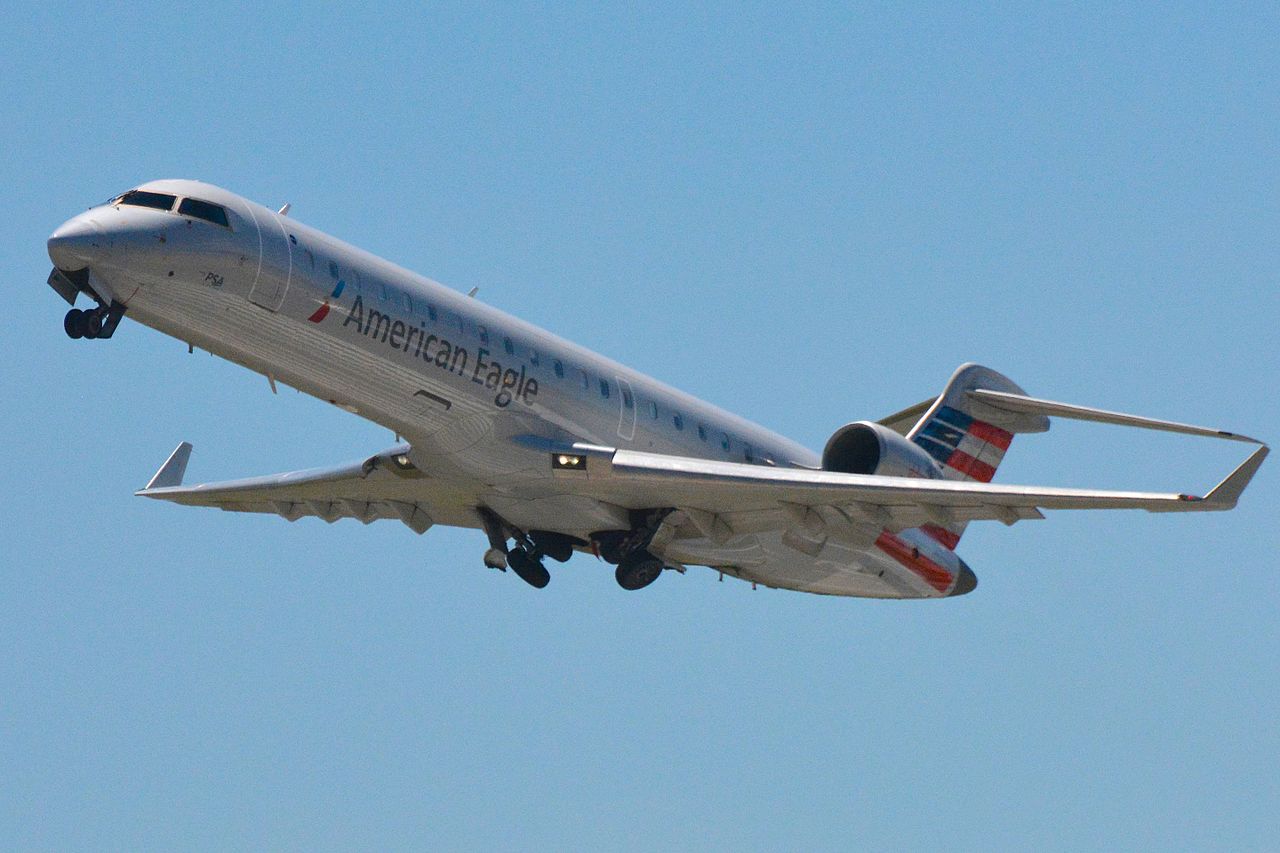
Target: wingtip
[(172, 471), (1227, 493)]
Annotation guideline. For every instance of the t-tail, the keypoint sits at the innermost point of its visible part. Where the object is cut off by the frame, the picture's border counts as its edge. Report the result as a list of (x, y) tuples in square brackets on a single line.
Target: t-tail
[(969, 438)]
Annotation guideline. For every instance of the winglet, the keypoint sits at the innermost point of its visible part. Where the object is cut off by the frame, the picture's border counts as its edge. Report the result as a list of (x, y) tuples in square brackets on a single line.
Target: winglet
[(1226, 493), (172, 471)]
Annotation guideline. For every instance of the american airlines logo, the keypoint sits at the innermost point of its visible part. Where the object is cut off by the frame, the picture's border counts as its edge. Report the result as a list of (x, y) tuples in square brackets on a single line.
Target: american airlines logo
[(323, 310)]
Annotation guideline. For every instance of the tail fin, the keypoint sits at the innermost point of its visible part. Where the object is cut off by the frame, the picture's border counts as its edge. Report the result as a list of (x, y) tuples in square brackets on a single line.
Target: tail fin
[(969, 438)]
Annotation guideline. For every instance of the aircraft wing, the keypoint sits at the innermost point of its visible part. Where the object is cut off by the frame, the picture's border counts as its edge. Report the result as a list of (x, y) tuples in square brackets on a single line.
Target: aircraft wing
[(383, 486), (718, 493)]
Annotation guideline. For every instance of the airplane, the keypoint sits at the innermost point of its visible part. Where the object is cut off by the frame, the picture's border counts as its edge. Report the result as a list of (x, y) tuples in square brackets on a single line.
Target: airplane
[(545, 446)]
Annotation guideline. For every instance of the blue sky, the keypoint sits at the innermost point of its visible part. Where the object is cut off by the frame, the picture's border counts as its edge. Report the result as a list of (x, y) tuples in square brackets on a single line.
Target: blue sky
[(808, 216)]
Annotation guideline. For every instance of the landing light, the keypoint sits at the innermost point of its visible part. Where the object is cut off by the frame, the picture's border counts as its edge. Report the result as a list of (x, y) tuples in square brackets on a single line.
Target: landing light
[(402, 460), (569, 462)]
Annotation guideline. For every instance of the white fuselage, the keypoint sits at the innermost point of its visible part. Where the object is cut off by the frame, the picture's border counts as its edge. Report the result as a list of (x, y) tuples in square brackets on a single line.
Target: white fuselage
[(478, 394), (459, 378)]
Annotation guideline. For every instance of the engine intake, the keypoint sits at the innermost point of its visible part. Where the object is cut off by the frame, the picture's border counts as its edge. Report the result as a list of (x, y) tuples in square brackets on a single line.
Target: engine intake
[(871, 448)]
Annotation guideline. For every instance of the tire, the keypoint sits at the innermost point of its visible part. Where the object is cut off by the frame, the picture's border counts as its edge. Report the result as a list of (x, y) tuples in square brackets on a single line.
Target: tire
[(529, 570), (560, 552), (557, 546), (92, 324), (638, 570), (73, 324)]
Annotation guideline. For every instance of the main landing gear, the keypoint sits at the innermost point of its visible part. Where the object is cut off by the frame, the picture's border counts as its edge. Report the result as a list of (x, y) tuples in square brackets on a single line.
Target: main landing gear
[(525, 557), (637, 570), (629, 549), (99, 322)]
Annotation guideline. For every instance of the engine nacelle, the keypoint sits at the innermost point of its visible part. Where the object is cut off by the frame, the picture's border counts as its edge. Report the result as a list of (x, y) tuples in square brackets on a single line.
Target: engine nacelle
[(870, 448)]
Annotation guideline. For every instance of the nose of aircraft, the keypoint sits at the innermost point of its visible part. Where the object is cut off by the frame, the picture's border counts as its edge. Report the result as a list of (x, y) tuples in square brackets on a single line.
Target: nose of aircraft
[(76, 244)]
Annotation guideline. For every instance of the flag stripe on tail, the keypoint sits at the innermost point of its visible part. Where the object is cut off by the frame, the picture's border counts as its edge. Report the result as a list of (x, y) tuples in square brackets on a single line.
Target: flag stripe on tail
[(950, 430), (966, 464)]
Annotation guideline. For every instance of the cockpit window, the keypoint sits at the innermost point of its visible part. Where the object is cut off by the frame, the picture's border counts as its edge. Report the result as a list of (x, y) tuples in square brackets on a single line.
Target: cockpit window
[(142, 198), (209, 212)]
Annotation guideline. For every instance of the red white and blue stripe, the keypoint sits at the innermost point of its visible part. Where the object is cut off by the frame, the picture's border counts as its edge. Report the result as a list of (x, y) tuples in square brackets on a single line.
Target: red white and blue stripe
[(965, 447)]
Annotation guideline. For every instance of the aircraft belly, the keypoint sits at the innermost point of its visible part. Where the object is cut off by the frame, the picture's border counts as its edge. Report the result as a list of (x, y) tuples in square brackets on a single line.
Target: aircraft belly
[(837, 570), (310, 359)]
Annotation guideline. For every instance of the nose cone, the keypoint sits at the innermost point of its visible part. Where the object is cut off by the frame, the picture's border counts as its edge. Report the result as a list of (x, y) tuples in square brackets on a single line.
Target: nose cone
[(967, 581), (76, 244)]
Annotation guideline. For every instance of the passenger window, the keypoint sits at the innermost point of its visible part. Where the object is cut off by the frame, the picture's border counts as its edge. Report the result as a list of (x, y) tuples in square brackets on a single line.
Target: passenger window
[(653, 409), (702, 432), (311, 258), (508, 346), (559, 368), (724, 441), (141, 198), (484, 334), (678, 421), (627, 399), (533, 357), (748, 454), (333, 269), (586, 380), (408, 303), (604, 388), (431, 312)]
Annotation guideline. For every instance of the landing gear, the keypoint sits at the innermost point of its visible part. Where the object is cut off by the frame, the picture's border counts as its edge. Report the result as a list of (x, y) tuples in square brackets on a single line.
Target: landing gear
[(73, 324), (629, 549), (97, 322), (637, 570), (528, 567), (525, 557), (557, 546)]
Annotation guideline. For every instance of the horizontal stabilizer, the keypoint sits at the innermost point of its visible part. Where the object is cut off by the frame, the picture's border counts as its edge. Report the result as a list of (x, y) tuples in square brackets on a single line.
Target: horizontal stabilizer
[(174, 468), (902, 422), (1031, 405)]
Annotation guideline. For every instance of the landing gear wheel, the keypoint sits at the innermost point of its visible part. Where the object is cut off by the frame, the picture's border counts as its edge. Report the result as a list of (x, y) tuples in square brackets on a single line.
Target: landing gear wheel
[(638, 570), (73, 324), (92, 324), (557, 546), (531, 571), (560, 553)]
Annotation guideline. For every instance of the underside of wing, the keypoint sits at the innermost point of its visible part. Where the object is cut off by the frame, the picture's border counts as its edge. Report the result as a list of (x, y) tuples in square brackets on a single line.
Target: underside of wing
[(385, 486)]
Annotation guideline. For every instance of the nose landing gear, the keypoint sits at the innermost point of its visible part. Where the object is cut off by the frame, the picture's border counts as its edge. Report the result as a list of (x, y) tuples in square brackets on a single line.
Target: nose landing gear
[(99, 322)]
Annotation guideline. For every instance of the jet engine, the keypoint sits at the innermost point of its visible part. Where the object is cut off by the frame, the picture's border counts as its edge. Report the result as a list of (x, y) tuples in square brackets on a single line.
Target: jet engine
[(871, 448)]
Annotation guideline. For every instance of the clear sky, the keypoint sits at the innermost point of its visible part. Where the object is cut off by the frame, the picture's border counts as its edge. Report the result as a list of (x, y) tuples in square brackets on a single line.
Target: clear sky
[(807, 215)]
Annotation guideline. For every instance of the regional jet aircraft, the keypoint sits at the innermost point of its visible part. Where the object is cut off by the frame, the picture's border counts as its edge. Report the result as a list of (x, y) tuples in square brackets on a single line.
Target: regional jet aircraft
[(546, 447)]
